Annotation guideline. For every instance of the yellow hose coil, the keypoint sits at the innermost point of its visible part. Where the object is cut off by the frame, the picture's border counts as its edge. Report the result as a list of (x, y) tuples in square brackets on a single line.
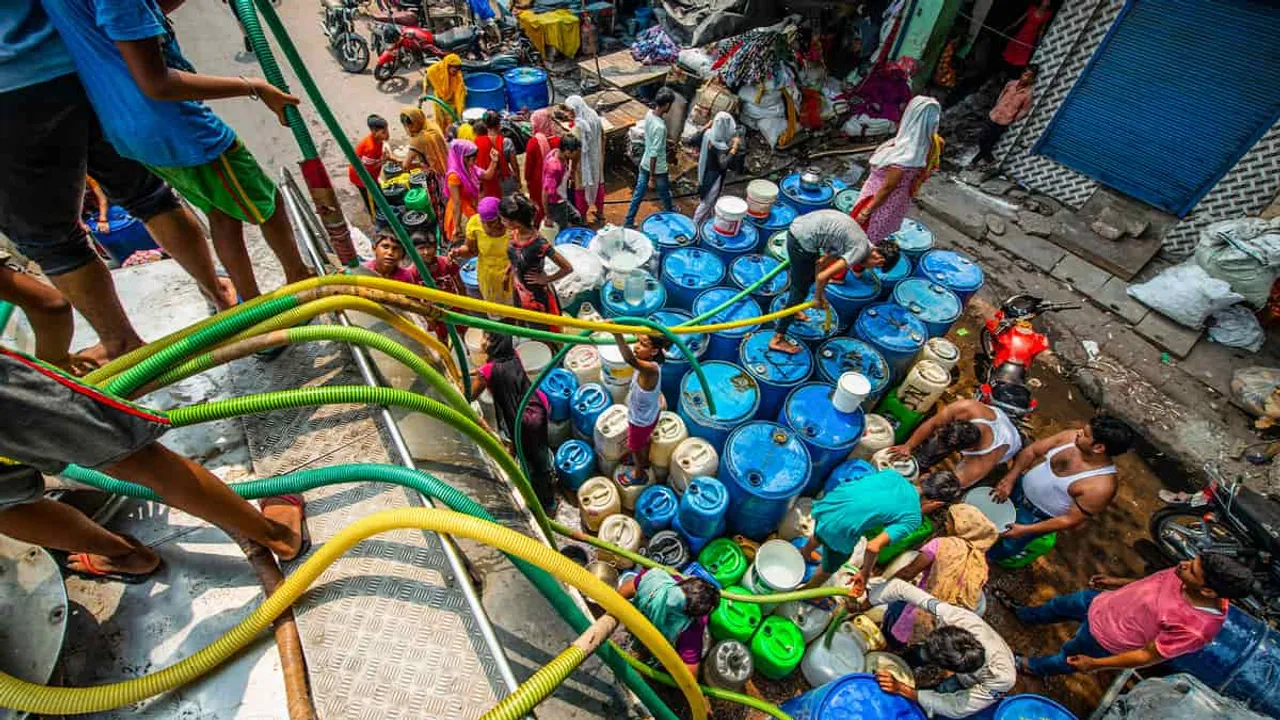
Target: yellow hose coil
[(30, 697)]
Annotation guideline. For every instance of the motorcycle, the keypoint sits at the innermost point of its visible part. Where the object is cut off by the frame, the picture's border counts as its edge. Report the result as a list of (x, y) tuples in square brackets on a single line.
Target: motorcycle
[(401, 47), (1008, 345), (1229, 518), (339, 26)]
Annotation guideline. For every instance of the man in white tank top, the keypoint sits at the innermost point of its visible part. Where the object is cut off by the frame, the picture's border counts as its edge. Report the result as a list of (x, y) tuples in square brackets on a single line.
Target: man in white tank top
[(984, 436), (1058, 483)]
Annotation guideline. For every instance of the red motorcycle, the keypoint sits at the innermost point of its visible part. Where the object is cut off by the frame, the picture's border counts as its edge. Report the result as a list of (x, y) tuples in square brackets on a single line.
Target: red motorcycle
[(402, 47), (1009, 344)]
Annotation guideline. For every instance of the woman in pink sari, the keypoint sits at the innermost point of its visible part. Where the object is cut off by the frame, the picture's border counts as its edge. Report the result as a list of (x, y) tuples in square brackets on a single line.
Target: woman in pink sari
[(898, 168), (546, 136)]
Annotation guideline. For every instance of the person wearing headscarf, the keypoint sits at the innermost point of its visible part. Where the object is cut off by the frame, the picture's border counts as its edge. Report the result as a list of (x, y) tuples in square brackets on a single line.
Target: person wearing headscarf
[(427, 146), (546, 137), (486, 240), (528, 253), (495, 157), (504, 376), (721, 152), (590, 132), (898, 168), (952, 568), (444, 80), (462, 187)]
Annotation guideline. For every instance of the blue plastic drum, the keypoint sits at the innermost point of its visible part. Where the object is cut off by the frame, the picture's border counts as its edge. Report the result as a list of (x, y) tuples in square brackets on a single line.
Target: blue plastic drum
[(777, 373), (702, 509), (736, 395), (848, 297), (527, 88), (748, 269), (813, 329), (914, 238), (781, 215), (724, 343), (764, 466), (890, 278), (840, 355), (847, 471), (1028, 705), (559, 386), (729, 247), (856, 696), (613, 302), (669, 230), (805, 200), (655, 508), (958, 273), (937, 307), (575, 462), (676, 366), (485, 90), (470, 278), (589, 402), (1242, 662), (689, 271), (579, 236), (828, 434), (895, 332)]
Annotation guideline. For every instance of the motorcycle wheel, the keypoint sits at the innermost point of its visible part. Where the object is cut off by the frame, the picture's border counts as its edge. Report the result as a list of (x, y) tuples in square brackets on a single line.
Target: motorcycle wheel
[(384, 71), (353, 53), (1180, 532)]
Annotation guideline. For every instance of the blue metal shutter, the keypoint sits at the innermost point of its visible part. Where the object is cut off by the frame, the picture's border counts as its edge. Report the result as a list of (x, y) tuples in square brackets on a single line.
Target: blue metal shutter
[(1175, 94)]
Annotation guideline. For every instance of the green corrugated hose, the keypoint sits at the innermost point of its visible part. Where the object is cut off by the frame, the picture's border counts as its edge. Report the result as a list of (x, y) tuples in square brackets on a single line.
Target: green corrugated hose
[(426, 485), (526, 332), (745, 291), (538, 687)]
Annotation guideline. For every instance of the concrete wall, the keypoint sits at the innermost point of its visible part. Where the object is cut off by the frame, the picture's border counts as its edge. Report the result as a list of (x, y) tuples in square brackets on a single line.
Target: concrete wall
[(1071, 40)]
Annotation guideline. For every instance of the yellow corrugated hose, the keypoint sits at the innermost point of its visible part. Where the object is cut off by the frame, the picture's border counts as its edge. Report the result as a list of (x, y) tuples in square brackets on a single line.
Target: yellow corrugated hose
[(30, 697)]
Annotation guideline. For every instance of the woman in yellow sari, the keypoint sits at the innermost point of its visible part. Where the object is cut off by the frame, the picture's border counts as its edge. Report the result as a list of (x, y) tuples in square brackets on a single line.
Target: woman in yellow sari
[(444, 80)]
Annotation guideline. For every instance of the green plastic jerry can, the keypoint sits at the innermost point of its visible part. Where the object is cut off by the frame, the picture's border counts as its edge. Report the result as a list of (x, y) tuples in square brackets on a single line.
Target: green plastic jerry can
[(724, 560), (735, 620), (777, 647)]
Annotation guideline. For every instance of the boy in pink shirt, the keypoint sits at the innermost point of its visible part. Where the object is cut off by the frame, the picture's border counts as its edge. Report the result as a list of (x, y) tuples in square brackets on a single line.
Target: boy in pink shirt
[(1137, 623)]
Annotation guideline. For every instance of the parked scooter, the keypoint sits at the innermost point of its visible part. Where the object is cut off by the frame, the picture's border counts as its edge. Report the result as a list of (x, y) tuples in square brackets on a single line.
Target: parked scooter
[(1229, 518), (401, 47), (1009, 344), (339, 26)]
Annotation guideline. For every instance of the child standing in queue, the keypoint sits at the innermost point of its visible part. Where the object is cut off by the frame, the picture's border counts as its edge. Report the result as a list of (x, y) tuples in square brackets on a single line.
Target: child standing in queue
[(644, 399)]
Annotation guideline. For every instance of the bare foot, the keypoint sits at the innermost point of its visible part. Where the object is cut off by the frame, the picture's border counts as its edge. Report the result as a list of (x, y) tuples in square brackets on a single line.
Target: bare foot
[(802, 316), (225, 297), (76, 365), (289, 511), (784, 344), (96, 354), (142, 561)]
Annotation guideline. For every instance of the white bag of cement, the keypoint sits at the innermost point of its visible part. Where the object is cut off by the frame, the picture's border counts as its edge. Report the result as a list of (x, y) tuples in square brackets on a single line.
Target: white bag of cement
[(1185, 294), (1236, 327)]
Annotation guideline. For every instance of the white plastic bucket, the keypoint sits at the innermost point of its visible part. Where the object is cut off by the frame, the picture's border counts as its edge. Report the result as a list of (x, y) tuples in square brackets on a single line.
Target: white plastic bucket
[(778, 567), (615, 373), (535, 356), (761, 195), (473, 114), (730, 211), (584, 362), (851, 390)]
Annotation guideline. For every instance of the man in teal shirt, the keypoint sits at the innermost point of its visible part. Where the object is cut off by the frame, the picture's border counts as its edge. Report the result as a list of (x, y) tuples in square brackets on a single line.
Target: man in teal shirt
[(885, 500), (654, 160)]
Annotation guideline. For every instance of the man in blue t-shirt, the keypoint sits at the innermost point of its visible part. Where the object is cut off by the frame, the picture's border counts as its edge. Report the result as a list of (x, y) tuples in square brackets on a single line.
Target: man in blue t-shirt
[(884, 501), (52, 139), (148, 98)]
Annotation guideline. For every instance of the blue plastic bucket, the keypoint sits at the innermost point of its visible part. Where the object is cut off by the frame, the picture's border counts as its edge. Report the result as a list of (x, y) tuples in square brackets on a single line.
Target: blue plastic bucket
[(895, 332), (958, 273), (935, 306), (804, 200), (128, 235), (688, 272), (776, 373), (849, 296), (575, 462), (702, 508), (729, 247), (1030, 706), (829, 435), (669, 230), (724, 343), (589, 401), (579, 236), (675, 366), (890, 278), (485, 90), (847, 471), (470, 278), (655, 508), (840, 355), (613, 302), (559, 386), (813, 329), (736, 396), (856, 696), (781, 215), (1242, 662), (764, 467), (914, 238), (526, 88), (748, 269)]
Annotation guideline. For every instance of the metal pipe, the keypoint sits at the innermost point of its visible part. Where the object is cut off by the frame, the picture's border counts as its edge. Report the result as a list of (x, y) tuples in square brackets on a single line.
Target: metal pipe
[(307, 241)]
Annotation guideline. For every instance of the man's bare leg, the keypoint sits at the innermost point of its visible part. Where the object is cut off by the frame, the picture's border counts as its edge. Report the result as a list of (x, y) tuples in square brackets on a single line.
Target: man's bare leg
[(228, 243), (61, 527), (92, 292), (182, 237), (49, 314), (278, 233)]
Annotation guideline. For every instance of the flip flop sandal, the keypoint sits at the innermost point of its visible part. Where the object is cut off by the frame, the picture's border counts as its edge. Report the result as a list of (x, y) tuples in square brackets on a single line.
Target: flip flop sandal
[(297, 501), (1004, 598), (89, 572)]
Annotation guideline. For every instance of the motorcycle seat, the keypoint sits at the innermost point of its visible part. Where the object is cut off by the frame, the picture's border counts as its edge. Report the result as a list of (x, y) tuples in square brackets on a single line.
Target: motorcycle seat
[(1261, 515), (456, 37)]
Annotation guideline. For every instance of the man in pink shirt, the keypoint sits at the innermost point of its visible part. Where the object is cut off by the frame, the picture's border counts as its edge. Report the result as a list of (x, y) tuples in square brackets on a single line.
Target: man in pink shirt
[(555, 188), (1137, 623), (1013, 104)]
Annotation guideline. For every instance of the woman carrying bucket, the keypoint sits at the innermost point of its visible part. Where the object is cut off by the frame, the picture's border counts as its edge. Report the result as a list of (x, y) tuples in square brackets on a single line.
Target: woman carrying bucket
[(898, 168), (721, 152)]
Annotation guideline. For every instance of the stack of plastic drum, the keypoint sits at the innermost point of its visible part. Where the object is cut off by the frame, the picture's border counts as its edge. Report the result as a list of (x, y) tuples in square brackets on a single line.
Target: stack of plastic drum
[(750, 269), (814, 328), (589, 402), (840, 355), (848, 297), (693, 457), (948, 268), (890, 278), (675, 366), (669, 231), (615, 303), (764, 466), (667, 435), (527, 88), (934, 305), (575, 463), (736, 397), (615, 373), (914, 238), (729, 247), (610, 438), (723, 344), (804, 197), (848, 471), (700, 516), (776, 373), (828, 434), (894, 331), (687, 272)]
